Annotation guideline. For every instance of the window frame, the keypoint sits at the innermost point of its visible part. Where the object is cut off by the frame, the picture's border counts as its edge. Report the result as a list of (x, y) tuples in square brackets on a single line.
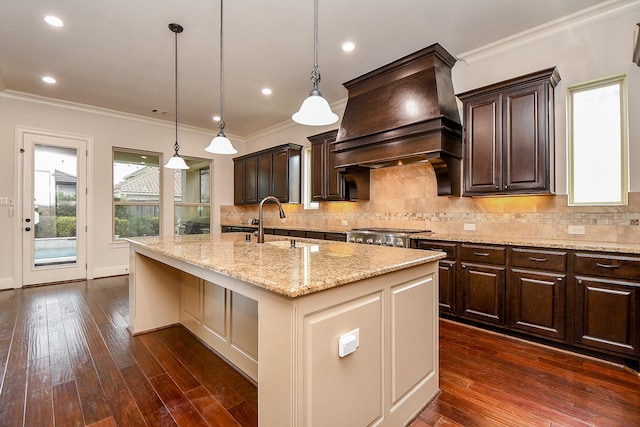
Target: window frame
[(157, 203), (621, 81)]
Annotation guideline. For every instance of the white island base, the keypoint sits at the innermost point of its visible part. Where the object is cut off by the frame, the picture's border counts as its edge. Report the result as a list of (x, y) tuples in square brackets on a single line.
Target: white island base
[(289, 345)]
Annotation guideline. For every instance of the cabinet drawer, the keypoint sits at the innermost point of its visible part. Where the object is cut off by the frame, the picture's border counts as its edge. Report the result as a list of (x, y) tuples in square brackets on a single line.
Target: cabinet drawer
[(483, 254), (539, 259), (625, 267), (434, 245)]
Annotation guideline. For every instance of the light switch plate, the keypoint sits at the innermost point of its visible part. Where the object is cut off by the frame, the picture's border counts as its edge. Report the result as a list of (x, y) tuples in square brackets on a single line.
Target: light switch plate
[(469, 226)]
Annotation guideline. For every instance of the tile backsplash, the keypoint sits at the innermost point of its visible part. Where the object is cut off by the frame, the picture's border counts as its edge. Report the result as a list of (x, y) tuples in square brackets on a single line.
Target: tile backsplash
[(405, 197)]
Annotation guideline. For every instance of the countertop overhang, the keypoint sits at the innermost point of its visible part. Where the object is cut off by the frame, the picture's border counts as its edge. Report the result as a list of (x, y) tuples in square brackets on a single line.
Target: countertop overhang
[(292, 272)]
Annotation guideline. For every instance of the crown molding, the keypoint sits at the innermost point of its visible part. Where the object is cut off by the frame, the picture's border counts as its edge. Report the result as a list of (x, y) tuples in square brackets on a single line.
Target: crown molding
[(590, 16), (58, 103)]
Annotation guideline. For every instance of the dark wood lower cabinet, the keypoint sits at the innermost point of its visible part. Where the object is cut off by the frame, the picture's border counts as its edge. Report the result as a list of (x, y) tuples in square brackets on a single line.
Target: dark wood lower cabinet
[(607, 315), (483, 293), (580, 300), (447, 286), (538, 303)]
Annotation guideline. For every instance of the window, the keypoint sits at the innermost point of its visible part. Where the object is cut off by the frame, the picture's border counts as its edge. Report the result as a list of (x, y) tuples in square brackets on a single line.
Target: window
[(598, 143), (192, 197), (136, 193)]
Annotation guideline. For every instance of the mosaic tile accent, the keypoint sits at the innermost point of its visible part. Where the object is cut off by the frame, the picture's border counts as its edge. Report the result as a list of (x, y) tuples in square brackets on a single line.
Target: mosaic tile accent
[(544, 216)]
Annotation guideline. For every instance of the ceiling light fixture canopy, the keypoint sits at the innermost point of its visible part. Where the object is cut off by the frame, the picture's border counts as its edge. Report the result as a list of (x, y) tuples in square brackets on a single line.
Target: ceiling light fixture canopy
[(315, 110), (221, 144), (176, 162)]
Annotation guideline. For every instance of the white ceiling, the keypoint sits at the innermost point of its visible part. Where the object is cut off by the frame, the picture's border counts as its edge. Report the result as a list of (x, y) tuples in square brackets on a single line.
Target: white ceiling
[(119, 54)]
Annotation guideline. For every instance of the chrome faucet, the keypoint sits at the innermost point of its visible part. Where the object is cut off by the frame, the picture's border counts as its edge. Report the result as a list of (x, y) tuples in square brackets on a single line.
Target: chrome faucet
[(260, 219)]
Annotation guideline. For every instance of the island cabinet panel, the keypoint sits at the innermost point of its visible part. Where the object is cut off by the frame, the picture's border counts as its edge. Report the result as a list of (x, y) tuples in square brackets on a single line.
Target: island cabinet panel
[(223, 319), (412, 361), (509, 136), (446, 272), (607, 302), (271, 172), (537, 292), (482, 283), (335, 385)]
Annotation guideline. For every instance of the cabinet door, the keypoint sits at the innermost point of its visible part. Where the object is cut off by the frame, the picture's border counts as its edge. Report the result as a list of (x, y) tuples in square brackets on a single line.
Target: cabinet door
[(607, 315), (447, 286), (483, 293), (318, 157), (264, 176), (525, 138), (238, 182), (281, 175), (251, 180), (483, 144), (538, 303)]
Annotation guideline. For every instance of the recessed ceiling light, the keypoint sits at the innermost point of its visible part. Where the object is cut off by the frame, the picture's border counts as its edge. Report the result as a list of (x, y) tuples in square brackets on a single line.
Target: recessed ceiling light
[(348, 46), (54, 21), (266, 91), (216, 118), (48, 79)]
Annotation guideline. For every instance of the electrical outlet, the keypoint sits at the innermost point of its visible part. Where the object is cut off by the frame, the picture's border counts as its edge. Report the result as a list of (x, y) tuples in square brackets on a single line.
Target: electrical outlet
[(469, 226), (344, 222), (576, 229)]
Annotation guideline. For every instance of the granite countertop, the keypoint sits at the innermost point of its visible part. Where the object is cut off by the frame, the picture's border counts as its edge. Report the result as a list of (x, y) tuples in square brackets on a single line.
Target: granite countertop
[(575, 244), (316, 266), (583, 245)]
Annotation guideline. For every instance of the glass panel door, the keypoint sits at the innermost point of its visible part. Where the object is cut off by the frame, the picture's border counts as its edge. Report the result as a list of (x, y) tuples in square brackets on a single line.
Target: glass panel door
[(53, 209)]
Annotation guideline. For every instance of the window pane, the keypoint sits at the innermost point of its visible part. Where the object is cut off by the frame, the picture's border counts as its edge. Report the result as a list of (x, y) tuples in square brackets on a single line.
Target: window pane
[(193, 219), (136, 194), (193, 185), (136, 177), (137, 220), (598, 145)]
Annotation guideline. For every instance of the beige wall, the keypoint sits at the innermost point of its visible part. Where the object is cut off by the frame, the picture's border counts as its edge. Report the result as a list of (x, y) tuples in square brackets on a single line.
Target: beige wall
[(108, 129)]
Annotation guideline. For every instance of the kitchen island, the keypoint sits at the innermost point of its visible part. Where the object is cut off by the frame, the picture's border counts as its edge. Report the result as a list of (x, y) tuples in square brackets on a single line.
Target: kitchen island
[(333, 333)]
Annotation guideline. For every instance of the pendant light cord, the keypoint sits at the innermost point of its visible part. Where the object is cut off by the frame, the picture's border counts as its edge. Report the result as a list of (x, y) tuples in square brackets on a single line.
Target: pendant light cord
[(315, 74), (221, 124), (177, 147)]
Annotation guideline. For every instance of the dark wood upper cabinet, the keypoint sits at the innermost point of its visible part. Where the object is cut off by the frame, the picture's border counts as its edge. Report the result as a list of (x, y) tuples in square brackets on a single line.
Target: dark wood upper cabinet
[(327, 184), (509, 136), (272, 172)]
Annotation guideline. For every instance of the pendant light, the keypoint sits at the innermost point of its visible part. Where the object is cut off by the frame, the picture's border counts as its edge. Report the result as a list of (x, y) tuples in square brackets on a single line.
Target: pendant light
[(176, 162), (221, 144), (315, 110)]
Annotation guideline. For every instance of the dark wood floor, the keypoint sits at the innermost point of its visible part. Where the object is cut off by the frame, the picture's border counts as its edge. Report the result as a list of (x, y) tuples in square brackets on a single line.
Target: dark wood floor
[(67, 359)]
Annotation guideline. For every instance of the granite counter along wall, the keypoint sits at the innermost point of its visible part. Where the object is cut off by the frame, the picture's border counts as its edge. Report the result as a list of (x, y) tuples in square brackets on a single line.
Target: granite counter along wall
[(405, 197)]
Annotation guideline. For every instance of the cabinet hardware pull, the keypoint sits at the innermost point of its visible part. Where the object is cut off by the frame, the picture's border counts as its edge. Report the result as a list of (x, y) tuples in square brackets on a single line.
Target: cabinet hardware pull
[(481, 253), (607, 265), (580, 282), (537, 259), (559, 279), (464, 266)]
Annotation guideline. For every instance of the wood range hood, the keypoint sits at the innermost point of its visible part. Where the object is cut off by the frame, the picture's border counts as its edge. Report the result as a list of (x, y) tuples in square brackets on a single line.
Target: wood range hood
[(403, 112)]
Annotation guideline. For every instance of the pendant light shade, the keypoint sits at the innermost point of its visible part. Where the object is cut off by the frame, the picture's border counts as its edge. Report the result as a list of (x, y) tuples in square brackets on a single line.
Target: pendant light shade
[(176, 162), (221, 144), (315, 110)]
